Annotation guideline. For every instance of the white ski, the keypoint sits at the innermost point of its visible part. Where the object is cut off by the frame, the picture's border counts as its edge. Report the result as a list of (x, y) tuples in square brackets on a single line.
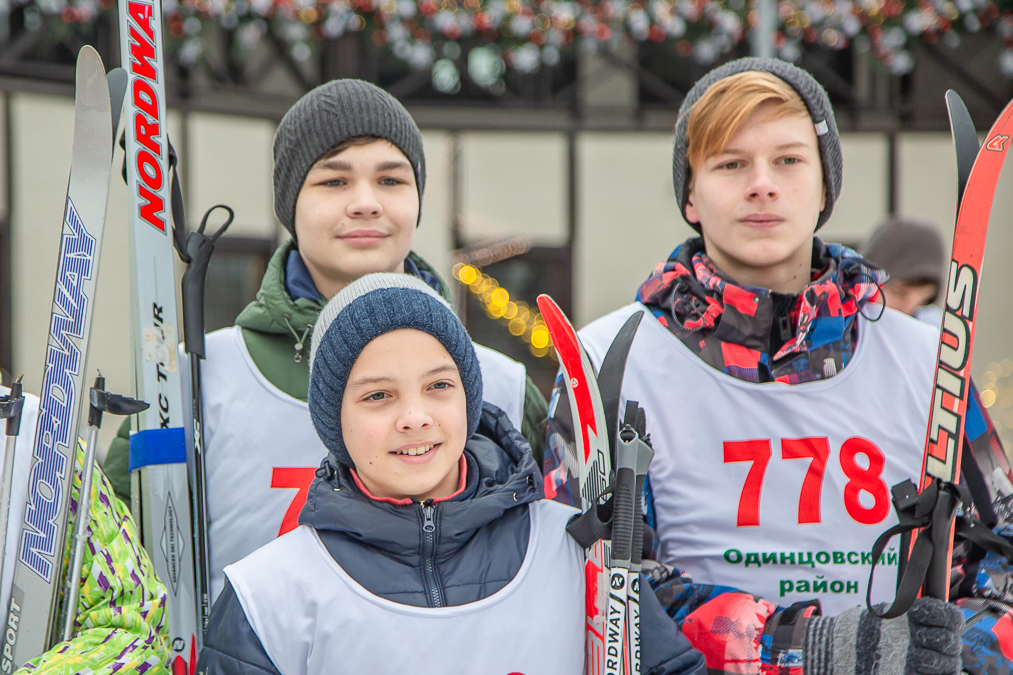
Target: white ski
[(32, 616), (160, 489)]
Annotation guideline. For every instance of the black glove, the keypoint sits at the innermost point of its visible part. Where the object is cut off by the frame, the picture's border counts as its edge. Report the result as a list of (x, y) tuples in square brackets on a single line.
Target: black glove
[(924, 641)]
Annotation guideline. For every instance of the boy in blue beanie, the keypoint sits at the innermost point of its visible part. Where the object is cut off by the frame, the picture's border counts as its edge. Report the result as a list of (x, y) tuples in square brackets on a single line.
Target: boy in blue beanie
[(425, 545)]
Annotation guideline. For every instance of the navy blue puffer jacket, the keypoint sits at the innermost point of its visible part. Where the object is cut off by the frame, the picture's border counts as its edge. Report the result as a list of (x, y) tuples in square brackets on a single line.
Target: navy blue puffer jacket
[(481, 540)]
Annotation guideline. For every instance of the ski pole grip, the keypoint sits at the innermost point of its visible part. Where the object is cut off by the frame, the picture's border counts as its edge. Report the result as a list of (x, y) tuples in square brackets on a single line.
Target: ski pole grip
[(622, 522), (199, 247), (12, 408), (623, 517), (97, 401)]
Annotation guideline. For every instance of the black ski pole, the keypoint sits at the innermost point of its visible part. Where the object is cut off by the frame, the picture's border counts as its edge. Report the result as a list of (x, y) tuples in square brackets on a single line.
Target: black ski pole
[(100, 401), (11, 406), (199, 247)]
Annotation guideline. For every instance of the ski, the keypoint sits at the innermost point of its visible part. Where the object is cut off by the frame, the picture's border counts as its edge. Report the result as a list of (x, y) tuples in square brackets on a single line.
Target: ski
[(11, 407), (32, 618), (953, 361), (965, 140), (160, 487), (608, 555), (197, 255), (636, 419)]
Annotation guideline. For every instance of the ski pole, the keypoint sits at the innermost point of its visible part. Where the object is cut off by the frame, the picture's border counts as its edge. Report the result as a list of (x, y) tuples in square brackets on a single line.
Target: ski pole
[(11, 407), (100, 401), (622, 546), (645, 453), (199, 247)]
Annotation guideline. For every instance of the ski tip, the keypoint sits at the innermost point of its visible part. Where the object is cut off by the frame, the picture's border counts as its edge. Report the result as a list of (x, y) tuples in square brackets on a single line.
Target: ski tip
[(547, 305), (91, 87)]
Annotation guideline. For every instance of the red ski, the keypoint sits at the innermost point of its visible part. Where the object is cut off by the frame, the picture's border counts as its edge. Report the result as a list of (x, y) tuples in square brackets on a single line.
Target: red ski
[(953, 362), (595, 462)]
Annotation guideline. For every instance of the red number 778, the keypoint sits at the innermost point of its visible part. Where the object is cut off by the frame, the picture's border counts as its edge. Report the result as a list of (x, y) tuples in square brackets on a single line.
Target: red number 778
[(817, 450)]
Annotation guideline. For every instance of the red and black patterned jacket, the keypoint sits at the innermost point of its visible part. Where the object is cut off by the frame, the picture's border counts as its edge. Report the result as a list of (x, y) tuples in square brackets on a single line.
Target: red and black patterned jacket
[(790, 338)]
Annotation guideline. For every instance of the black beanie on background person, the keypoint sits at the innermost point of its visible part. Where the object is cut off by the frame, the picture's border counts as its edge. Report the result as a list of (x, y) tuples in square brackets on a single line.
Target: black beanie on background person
[(328, 116), (811, 93), (910, 250), (364, 310)]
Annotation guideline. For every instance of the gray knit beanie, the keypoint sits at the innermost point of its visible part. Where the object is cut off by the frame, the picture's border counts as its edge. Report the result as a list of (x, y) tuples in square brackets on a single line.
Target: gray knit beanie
[(364, 310), (809, 90), (328, 116)]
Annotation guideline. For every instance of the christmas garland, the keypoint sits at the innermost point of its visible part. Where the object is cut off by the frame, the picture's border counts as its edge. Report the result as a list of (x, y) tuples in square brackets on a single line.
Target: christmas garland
[(527, 35)]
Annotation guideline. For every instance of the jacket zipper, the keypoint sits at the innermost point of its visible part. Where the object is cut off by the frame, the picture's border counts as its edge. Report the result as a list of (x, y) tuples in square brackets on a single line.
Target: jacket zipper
[(429, 554)]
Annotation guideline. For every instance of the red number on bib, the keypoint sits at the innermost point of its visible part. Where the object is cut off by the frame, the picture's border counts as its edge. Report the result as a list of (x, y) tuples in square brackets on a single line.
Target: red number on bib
[(816, 449), (293, 477), (864, 480), (758, 452)]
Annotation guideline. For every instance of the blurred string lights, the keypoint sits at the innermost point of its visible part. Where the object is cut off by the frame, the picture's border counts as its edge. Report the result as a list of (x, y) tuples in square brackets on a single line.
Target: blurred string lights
[(485, 38), (996, 391), (522, 321)]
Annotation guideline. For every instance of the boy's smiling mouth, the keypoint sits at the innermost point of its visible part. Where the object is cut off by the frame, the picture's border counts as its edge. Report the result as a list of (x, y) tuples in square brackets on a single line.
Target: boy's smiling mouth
[(416, 451)]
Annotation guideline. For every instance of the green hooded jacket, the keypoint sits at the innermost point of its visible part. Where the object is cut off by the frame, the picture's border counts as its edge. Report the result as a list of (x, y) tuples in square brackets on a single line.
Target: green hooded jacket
[(277, 330)]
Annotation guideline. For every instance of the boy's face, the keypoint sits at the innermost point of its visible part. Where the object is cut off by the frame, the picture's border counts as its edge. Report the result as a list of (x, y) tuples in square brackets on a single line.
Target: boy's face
[(404, 417), (356, 214), (758, 201), (908, 296)]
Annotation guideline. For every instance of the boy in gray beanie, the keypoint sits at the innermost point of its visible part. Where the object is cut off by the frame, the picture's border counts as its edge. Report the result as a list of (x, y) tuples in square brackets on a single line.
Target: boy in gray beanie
[(349, 177), (749, 328), (425, 545)]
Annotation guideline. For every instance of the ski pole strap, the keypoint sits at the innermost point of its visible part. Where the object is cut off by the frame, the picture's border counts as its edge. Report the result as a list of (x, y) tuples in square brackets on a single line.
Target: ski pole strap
[(589, 527), (914, 511), (918, 511), (157, 446), (178, 216), (978, 533)]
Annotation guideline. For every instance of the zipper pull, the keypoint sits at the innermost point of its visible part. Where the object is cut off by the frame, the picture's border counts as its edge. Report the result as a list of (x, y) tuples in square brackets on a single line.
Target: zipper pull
[(428, 514)]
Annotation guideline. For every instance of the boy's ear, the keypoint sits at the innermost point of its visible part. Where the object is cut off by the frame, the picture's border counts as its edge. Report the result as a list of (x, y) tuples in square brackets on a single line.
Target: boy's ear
[(692, 215)]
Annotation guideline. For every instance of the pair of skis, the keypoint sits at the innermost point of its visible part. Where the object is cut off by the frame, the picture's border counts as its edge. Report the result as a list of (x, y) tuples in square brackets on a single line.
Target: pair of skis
[(33, 613), (32, 616), (927, 514), (606, 458)]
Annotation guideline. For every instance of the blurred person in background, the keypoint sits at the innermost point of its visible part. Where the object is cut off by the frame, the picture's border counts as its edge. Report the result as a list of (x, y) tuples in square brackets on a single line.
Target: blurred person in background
[(911, 252), (349, 175)]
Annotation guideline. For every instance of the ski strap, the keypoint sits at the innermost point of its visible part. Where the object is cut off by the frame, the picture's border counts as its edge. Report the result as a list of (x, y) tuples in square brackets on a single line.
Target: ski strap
[(930, 512)]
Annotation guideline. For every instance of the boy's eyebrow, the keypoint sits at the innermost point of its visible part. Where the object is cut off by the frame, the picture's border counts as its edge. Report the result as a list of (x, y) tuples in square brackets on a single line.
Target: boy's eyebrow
[(380, 379), (445, 368), (783, 146), (370, 380), (334, 164), (392, 165)]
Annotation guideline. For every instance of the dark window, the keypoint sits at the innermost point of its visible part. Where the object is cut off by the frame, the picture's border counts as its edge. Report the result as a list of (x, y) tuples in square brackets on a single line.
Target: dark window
[(234, 276)]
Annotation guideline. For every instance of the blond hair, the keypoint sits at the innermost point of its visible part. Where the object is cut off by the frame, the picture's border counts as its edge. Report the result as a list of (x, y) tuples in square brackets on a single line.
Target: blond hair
[(726, 105)]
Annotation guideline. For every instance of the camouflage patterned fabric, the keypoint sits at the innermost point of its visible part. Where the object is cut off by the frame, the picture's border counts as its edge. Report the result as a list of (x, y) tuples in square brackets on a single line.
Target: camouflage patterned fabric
[(121, 612)]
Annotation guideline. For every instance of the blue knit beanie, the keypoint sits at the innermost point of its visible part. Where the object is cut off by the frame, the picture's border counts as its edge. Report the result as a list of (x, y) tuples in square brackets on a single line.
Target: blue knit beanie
[(364, 310)]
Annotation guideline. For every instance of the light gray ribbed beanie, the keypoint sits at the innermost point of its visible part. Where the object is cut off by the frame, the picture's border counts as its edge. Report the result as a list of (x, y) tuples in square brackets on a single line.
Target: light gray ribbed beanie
[(326, 117), (364, 310), (810, 91)]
